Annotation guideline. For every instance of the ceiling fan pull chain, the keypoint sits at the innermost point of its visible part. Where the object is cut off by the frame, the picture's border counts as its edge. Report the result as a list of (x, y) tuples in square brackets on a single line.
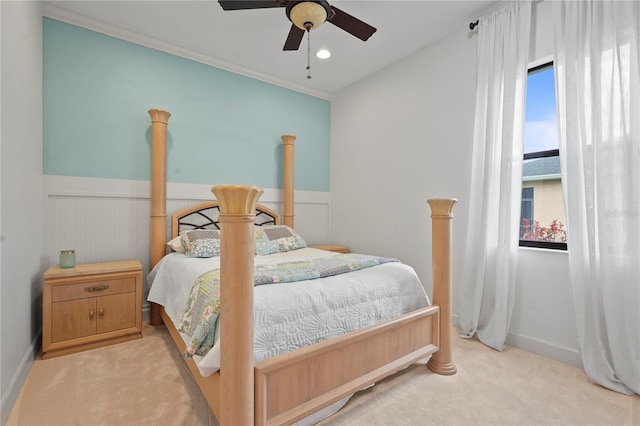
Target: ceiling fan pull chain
[(308, 54)]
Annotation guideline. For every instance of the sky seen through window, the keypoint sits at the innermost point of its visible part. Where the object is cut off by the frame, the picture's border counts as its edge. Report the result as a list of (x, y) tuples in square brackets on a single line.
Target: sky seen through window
[(541, 130)]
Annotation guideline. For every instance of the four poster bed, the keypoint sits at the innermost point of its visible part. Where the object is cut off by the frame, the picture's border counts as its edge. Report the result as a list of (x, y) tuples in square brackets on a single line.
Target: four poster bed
[(284, 387)]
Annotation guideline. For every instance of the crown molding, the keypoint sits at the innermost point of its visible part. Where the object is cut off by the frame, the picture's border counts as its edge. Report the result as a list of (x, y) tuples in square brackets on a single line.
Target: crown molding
[(60, 14)]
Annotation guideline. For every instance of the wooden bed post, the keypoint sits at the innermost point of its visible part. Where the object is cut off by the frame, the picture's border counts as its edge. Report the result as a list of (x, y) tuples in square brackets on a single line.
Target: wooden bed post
[(159, 119), (288, 141), (441, 362), (237, 218)]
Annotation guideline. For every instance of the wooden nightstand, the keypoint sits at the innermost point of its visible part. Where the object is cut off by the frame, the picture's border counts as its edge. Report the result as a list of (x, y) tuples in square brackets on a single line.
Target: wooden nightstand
[(91, 305), (332, 247)]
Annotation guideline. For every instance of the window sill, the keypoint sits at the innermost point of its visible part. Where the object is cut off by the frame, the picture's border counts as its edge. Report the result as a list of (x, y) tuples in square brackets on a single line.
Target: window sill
[(543, 249), (544, 244)]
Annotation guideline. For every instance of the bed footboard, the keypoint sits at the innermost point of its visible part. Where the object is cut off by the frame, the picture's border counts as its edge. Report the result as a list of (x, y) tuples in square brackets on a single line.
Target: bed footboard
[(294, 385)]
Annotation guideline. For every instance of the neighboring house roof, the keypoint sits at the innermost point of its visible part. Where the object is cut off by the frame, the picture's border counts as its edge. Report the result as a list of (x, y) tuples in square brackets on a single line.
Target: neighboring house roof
[(541, 168)]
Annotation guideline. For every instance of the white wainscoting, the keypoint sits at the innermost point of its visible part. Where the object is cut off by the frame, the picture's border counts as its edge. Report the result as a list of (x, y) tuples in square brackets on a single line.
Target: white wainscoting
[(108, 219)]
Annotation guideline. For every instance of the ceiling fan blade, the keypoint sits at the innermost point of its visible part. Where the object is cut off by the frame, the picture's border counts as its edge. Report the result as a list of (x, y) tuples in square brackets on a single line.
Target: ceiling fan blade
[(351, 24), (294, 38), (249, 4)]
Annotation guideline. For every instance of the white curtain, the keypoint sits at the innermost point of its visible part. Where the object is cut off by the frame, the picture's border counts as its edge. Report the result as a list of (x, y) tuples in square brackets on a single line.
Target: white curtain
[(486, 289), (598, 98)]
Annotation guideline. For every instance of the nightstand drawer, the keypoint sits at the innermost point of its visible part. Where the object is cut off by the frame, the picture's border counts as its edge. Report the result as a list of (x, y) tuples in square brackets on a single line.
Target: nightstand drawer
[(93, 288)]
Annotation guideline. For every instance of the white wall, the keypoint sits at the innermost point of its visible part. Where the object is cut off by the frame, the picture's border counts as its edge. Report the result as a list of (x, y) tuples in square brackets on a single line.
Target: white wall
[(404, 135), (398, 138), (21, 194)]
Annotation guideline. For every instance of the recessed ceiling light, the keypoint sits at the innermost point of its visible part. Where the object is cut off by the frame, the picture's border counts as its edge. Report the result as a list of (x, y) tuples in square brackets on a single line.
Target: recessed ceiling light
[(323, 54)]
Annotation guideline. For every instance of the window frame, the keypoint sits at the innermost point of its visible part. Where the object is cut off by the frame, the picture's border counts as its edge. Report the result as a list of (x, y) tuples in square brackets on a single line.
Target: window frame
[(551, 245), (529, 209)]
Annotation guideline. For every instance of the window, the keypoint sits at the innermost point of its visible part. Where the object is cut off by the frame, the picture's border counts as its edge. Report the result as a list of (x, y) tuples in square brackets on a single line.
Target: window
[(542, 207)]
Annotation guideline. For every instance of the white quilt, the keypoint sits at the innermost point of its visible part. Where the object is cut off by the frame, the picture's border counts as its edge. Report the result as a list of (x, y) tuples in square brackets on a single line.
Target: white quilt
[(292, 315)]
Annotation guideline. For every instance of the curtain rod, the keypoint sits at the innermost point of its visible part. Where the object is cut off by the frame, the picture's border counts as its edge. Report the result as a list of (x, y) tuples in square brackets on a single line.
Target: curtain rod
[(473, 25)]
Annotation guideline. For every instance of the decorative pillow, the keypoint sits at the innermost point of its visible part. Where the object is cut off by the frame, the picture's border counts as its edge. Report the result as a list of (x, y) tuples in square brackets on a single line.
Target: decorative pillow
[(201, 242), (176, 244), (277, 239)]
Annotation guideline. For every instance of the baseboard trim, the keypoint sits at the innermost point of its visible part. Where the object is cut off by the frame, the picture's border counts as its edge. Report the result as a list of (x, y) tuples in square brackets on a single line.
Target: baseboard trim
[(18, 379), (146, 311), (543, 348), (547, 349)]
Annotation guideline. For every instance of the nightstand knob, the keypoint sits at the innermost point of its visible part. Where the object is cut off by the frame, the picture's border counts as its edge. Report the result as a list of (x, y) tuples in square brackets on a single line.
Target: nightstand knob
[(101, 312), (91, 315)]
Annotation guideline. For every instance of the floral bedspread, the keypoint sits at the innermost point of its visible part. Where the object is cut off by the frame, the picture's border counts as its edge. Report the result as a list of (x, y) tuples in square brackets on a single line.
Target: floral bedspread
[(200, 320)]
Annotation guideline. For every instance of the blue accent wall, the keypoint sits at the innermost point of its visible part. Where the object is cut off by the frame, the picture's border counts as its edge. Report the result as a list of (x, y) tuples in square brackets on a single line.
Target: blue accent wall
[(225, 128)]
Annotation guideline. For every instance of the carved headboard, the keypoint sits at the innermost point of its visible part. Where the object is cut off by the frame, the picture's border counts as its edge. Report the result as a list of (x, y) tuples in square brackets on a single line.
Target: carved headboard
[(205, 216)]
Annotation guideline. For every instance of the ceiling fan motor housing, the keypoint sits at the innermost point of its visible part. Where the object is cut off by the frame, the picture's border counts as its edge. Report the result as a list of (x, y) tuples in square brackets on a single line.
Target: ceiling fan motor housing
[(308, 15)]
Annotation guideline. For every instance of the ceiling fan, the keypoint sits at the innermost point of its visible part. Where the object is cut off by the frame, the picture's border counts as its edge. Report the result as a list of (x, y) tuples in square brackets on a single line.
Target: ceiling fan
[(305, 16)]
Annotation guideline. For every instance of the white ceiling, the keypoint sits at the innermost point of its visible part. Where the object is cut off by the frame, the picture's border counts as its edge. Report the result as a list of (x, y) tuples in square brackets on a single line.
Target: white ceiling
[(250, 42)]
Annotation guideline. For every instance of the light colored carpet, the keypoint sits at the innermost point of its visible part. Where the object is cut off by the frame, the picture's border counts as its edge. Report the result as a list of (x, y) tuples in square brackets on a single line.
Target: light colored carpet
[(145, 382), (513, 387), (140, 382)]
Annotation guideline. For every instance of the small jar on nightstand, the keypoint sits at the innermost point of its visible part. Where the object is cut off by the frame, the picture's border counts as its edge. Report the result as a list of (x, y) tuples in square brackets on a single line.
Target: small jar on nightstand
[(67, 259)]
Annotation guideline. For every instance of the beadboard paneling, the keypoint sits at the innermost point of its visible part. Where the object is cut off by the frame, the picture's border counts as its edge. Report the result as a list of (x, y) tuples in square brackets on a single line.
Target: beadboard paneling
[(108, 219)]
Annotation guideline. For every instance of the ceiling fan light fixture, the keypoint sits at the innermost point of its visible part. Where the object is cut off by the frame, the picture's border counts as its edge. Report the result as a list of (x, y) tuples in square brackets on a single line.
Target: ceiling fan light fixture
[(308, 15), (323, 54)]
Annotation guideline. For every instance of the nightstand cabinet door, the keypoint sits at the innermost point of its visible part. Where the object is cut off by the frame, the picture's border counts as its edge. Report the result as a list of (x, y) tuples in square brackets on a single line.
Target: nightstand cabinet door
[(73, 319), (116, 312)]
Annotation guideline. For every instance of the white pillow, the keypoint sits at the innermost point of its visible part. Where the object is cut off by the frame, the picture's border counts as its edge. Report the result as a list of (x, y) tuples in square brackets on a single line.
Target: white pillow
[(176, 244)]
